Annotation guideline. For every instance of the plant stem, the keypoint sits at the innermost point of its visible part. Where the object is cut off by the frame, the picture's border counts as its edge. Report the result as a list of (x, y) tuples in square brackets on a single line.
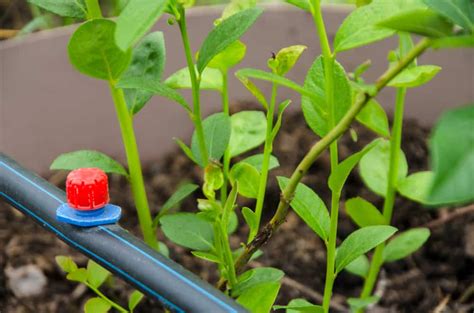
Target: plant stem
[(105, 298), (134, 166), (316, 150), (195, 82), (395, 145), (93, 9), (267, 152), (226, 159)]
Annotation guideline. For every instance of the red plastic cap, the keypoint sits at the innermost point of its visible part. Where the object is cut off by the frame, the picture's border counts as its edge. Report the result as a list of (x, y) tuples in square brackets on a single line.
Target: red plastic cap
[(87, 189)]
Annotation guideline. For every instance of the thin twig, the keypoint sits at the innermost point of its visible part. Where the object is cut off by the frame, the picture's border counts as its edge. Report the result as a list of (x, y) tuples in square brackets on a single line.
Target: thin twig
[(446, 218), (442, 305)]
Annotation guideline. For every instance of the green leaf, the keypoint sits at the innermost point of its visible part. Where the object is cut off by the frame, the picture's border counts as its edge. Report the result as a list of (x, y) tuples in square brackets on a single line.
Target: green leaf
[(300, 305), (248, 131), (236, 6), (374, 117), (405, 244), (213, 180), (179, 195), (136, 19), (360, 29), (87, 158), (359, 266), (339, 175), (229, 57), (421, 21), (257, 160), (416, 186), (360, 242), (208, 256), (357, 304), (185, 149), (453, 42), (285, 59), (224, 34), (250, 218), (66, 263), (373, 167), (79, 275), (310, 208), (134, 299), (217, 132), (93, 52), (148, 61), (188, 230), (153, 86), (248, 179), (364, 213), (247, 73), (281, 109), (254, 90), (302, 4), (96, 274), (97, 305), (460, 12), (254, 277), (316, 110), (260, 298), (415, 76), (210, 79), (65, 8), (452, 157)]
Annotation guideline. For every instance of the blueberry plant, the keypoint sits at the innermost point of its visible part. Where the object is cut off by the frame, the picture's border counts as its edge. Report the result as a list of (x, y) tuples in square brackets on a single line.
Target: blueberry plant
[(131, 60)]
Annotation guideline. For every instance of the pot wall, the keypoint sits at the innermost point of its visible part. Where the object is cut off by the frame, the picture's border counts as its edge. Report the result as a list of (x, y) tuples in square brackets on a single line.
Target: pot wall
[(48, 108)]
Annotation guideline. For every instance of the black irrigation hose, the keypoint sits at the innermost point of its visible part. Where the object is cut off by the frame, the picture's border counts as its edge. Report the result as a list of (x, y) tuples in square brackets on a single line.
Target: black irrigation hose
[(112, 247)]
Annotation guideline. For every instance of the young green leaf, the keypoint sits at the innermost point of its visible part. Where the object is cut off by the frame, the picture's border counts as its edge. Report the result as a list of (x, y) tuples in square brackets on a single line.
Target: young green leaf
[(217, 132), (224, 34), (134, 299), (153, 86), (248, 131), (229, 57), (254, 277), (236, 6), (339, 175), (405, 244), (302, 4), (188, 230), (299, 306), (466, 41), (79, 275), (285, 59), (65, 8), (213, 180), (360, 242), (66, 263), (357, 304), (374, 117), (452, 157), (250, 218), (254, 90), (310, 208), (148, 61), (460, 12), (96, 274), (87, 158), (136, 19), (416, 186), (260, 298), (208, 256), (421, 21), (210, 79), (257, 160), (187, 151), (316, 110), (364, 213), (374, 165), (96, 305), (415, 76), (248, 179), (93, 52), (359, 266), (281, 109), (179, 195)]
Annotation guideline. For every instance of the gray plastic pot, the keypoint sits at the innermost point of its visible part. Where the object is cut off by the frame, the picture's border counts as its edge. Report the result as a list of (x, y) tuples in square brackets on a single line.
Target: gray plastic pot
[(48, 108)]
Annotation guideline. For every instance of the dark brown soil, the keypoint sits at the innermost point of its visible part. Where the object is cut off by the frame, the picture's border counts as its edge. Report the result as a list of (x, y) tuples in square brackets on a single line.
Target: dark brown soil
[(441, 270)]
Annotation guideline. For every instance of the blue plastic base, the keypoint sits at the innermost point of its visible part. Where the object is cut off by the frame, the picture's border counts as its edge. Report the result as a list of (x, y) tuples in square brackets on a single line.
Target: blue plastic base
[(109, 214)]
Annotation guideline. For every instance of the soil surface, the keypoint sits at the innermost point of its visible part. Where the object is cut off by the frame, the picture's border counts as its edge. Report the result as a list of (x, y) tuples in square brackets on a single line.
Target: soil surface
[(437, 278)]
